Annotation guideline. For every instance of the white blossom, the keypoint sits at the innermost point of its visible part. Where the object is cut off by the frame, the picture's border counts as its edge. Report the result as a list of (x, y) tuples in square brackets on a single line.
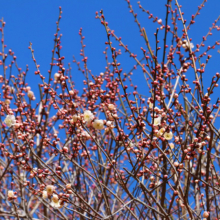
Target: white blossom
[(50, 189), (88, 116), (159, 21), (45, 195), (10, 120), (7, 101), (187, 45), (151, 105), (168, 135), (191, 45), (74, 118), (157, 120), (23, 176), (160, 132), (30, 94), (111, 107), (56, 76), (10, 194), (55, 201), (86, 135), (98, 124), (171, 145)]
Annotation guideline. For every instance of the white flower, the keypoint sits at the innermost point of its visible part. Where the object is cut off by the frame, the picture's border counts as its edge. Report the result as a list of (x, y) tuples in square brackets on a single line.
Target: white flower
[(7, 101), (55, 201), (111, 107), (45, 194), (171, 145), (86, 135), (187, 45), (50, 189), (159, 21), (56, 76), (30, 94), (74, 118), (151, 105), (168, 136), (98, 124), (10, 120), (110, 124), (88, 116), (22, 176), (191, 45), (157, 120), (152, 178), (131, 144), (160, 132), (10, 194)]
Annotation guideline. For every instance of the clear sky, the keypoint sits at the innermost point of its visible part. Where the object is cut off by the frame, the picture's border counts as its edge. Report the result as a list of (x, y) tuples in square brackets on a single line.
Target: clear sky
[(34, 21)]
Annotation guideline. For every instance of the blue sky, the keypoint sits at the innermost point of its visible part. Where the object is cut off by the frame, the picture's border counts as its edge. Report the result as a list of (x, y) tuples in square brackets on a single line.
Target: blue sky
[(34, 21)]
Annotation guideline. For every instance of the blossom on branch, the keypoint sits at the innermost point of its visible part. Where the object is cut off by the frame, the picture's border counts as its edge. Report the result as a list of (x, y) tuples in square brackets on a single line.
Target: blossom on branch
[(157, 120), (98, 124), (168, 135), (10, 120), (187, 45), (44, 194), (11, 194), (50, 189), (88, 116), (55, 201)]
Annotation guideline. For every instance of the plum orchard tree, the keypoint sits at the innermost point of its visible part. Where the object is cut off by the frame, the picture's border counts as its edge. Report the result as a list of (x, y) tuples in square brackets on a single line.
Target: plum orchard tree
[(108, 151)]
